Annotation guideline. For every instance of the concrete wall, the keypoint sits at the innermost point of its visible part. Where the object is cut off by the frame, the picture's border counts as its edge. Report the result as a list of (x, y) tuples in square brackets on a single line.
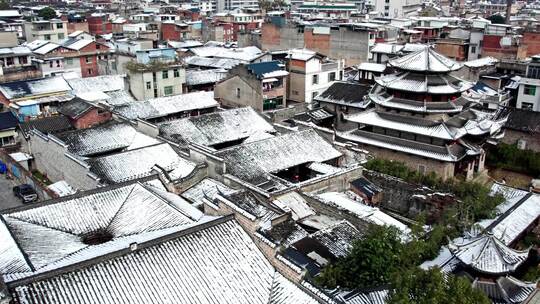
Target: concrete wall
[(52, 159), (8, 39), (138, 83), (512, 137), (250, 93)]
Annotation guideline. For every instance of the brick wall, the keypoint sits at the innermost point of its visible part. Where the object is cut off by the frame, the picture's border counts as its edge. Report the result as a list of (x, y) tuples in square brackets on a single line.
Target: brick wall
[(91, 118), (532, 40)]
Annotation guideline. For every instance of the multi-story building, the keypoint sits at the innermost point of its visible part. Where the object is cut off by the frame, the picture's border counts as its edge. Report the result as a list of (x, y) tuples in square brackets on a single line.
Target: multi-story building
[(262, 86), (311, 73), (16, 64), (422, 119), (156, 73), (54, 30), (230, 5), (99, 24), (396, 8)]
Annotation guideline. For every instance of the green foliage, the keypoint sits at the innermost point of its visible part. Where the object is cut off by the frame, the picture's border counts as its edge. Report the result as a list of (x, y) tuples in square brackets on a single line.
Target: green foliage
[(417, 286), (371, 261), (510, 157), (497, 19), (47, 13), (4, 5)]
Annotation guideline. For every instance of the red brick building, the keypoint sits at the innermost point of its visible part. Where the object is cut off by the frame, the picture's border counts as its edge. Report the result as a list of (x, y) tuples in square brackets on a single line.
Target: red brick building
[(532, 41), (84, 115), (175, 31), (99, 24)]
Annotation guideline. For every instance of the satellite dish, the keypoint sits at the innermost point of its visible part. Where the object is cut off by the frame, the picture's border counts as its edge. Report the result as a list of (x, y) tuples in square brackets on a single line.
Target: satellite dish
[(506, 41)]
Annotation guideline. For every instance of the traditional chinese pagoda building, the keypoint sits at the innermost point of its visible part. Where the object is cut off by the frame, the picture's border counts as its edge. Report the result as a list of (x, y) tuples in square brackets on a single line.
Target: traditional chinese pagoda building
[(421, 118)]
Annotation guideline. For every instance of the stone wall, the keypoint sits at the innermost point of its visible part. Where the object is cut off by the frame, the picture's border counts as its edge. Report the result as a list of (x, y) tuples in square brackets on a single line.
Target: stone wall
[(511, 137)]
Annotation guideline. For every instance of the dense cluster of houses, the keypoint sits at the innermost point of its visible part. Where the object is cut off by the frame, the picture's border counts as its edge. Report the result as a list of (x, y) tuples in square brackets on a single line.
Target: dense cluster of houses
[(213, 151)]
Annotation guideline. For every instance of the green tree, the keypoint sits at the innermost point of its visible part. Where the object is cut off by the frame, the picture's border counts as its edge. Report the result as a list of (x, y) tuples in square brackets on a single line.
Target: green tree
[(4, 5), (47, 13), (417, 286), (496, 19), (371, 262)]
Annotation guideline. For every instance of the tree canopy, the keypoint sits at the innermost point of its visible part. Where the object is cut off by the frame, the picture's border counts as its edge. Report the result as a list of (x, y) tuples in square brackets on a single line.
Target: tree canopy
[(4, 5), (47, 13), (497, 19)]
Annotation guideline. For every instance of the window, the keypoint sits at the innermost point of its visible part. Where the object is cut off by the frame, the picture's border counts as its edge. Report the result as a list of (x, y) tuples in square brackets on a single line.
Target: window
[(168, 90), (148, 85), (57, 63), (59, 26), (165, 75), (295, 92), (90, 71), (331, 76), (527, 106), (98, 46), (23, 60), (50, 64), (529, 90), (315, 79), (88, 59), (473, 49), (61, 36), (47, 37), (10, 61), (176, 73), (314, 94), (69, 60), (237, 92)]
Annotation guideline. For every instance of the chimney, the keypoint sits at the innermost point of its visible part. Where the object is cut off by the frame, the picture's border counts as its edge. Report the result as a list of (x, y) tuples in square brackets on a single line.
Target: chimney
[(508, 11)]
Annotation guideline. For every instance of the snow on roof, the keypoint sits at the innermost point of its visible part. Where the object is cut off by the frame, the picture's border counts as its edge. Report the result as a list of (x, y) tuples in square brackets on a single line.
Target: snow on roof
[(206, 189), (105, 83), (253, 161), (27, 88), (196, 77), (46, 48), (164, 106), (139, 163), (246, 54), (35, 44), (61, 188), (425, 60), (487, 254), (184, 44), (338, 238), (371, 214), (119, 97), (225, 269), (20, 156), (485, 61), (9, 13), (52, 235), (105, 138), (301, 54), (220, 63), (413, 47), (372, 67), (434, 84), (93, 96), (295, 203), (18, 50), (517, 218), (386, 48), (78, 44), (216, 128), (432, 129)]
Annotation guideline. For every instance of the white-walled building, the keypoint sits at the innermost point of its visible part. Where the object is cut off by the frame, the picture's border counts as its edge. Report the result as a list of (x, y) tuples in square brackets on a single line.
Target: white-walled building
[(54, 30), (528, 97), (310, 74), (396, 8)]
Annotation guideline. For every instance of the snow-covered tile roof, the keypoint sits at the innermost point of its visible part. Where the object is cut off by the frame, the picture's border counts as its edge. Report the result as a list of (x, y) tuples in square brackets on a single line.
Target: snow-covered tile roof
[(206, 189), (372, 67), (28, 88), (347, 94), (434, 84), (139, 163), (520, 216), (119, 97), (216, 128), (246, 54), (164, 106), (217, 263), (425, 60), (18, 51), (370, 214), (105, 83), (431, 129), (54, 235), (196, 77), (338, 238), (253, 161), (218, 63), (78, 44), (295, 203), (487, 254), (105, 138), (46, 48), (485, 61), (386, 48)]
